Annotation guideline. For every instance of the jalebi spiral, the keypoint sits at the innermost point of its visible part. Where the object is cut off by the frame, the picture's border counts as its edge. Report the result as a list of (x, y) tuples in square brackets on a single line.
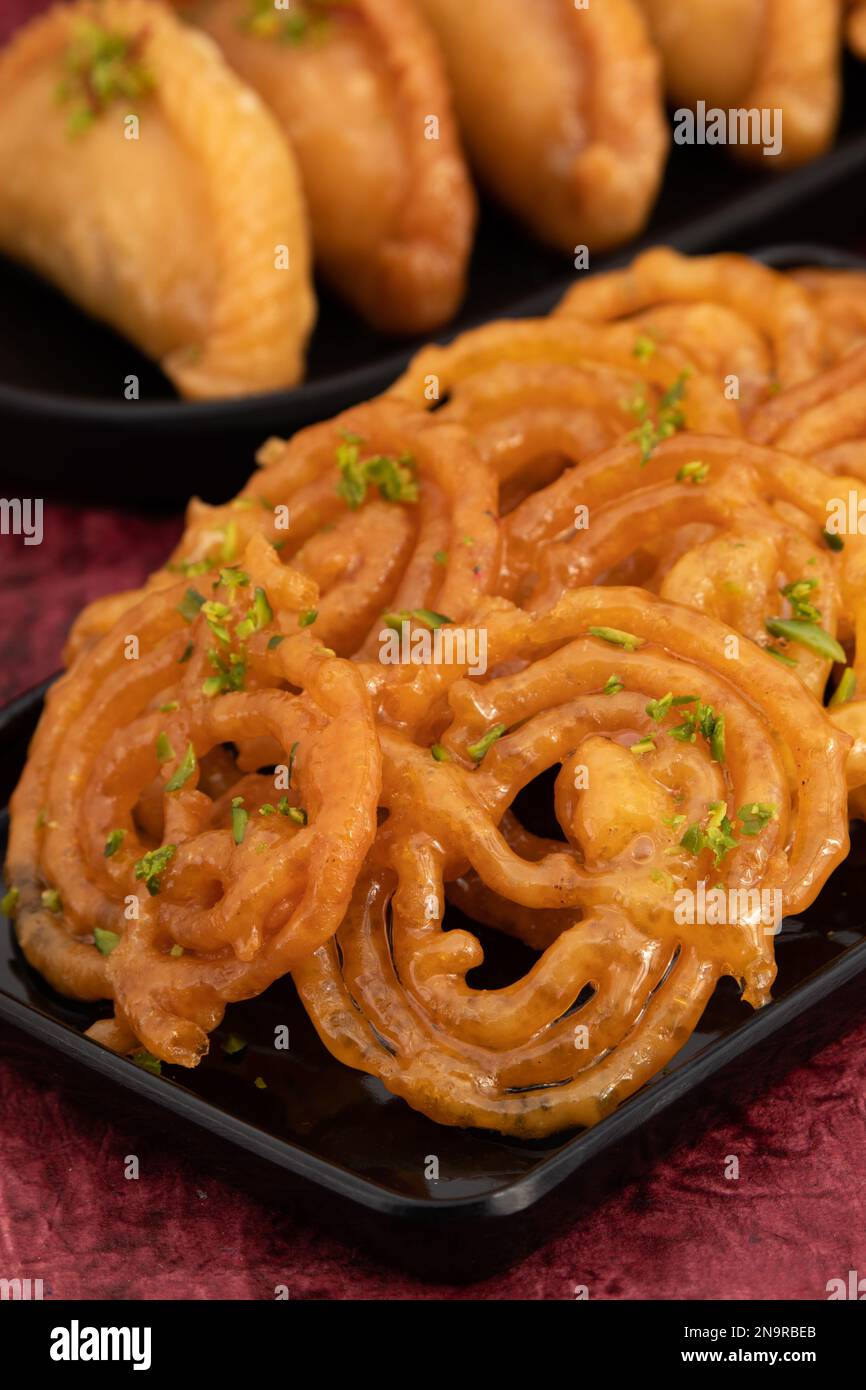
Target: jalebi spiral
[(611, 561)]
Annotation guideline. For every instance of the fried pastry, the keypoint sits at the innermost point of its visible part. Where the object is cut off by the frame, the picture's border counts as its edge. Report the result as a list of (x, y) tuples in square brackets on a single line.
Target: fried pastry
[(563, 114), (141, 176), (359, 88), (760, 54)]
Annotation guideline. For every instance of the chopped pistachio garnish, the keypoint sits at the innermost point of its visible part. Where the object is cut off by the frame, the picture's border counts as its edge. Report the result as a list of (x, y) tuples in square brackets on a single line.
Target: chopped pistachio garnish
[(257, 617), (478, 749), (701, 720), (113, 843), (240, 816), (189, 606), (846, 689), (164, 750), (230, 675), (169, 707), (420, 615), (797, 594), (644, 348), (658, 709), (806, 634), (274, 642), (694, 472), (295, 813), (51, 900), (146, 1060), (614, 635), (613, 685), (101, 66), (9, 902), (780, 656), (215, 614), (440, 753), (232, 578), (669, 418), (755, 816), (716, 836), (306, 618), (185, 769), (190, 569), (152, 864), (265, 21), (832, 541), (292, 755), (260, 1083), (186, 654), (394, 477), (176, 951), (643, 745), (105, 941), (440, 557), (233, 1044)]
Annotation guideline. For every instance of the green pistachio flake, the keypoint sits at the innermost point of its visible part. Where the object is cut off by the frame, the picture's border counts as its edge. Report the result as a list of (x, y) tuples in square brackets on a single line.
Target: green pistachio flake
[(152, 864), (440, 754), (51, 899), (189, 606), (798, 595), (9, 902), (615, 636), (105, 941), (239, 819), (146, 1060), (477, 750), (184, 771), (806, 634), (613, 685), (716, 836), (113, 843), (164, 750), (657, 709), (393, 477), (755, 816), (846, 689), (695, 472), (101, 67)]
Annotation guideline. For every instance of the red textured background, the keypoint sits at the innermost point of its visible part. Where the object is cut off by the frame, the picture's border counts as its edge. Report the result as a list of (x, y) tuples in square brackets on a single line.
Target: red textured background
[(795, 1219)]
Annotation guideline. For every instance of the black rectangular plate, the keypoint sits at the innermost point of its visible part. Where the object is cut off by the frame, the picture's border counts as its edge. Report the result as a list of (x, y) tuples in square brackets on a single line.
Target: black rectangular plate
[(319, 1125), (364, 1155), (67, 429)]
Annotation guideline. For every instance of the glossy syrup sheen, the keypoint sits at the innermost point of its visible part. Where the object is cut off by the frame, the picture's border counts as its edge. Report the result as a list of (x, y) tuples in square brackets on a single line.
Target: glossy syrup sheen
[(349, 1120)]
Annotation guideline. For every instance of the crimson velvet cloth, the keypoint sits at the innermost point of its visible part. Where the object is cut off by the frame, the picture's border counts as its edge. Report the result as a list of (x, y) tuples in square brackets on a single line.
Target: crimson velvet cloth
[(793, 1220)]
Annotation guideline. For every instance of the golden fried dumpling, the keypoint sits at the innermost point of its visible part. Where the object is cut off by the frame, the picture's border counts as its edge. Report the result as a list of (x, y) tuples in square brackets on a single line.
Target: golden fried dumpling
[(360, 89), (765, 55), (561, 109), (141, 176), (856, 27)]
